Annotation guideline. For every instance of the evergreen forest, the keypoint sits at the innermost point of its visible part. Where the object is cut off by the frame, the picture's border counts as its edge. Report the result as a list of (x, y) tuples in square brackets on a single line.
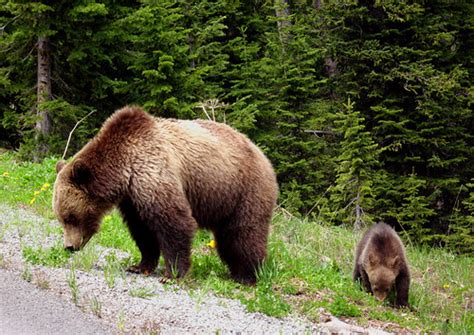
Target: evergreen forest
[(364, 107)]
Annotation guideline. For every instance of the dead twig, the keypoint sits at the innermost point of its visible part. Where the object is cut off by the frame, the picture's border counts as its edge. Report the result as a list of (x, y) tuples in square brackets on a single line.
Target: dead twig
[(70, 134), (212, 104), (320, 132)]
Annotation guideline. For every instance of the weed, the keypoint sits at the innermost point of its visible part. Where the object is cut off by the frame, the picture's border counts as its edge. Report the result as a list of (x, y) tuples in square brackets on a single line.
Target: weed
[(72, 282), (112, 270), (3, 262), (41, 280), (121, 321), (174, 269), (150, 328), (26, 273), (96, 306), (341, 307), (3, 230), (55, 256), (267, 302), (86, 258), (142, 292)]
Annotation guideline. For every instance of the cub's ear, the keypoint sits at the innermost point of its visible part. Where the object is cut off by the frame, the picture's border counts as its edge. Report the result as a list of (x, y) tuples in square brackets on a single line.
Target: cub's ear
[(59, 165), (396, 262), (81, 173), (372, 259)]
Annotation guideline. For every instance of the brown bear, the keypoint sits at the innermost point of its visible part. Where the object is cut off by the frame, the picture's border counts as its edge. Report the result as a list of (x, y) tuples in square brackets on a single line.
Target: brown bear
[(168, 177), (381, 264)]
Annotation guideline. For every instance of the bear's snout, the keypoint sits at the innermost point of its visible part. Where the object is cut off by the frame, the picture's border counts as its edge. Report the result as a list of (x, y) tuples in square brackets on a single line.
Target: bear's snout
[(73, 238), (380, 296), (70, 248)]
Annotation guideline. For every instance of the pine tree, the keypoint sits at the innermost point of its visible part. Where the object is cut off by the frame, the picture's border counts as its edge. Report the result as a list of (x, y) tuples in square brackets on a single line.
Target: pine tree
[(352, 196)]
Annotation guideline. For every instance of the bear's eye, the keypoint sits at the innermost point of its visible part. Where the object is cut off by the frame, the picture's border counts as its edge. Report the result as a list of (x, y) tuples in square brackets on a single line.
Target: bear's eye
[(70, 219)]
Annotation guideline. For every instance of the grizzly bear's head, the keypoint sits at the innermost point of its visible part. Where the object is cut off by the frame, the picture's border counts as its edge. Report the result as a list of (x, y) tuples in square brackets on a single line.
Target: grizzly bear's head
[(77, 210), (382, 274)]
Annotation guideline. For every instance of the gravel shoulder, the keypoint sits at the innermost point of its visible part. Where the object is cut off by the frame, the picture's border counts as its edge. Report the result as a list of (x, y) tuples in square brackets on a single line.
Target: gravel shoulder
[(26, 309), (105, 308)]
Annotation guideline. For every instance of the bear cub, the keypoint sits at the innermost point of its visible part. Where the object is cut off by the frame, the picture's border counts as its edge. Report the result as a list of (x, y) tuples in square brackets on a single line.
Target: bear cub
[(381, 264)]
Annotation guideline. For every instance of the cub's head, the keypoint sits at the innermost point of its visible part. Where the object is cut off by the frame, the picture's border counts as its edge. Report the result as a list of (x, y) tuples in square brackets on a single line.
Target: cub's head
[(382, 275), (76, 209)]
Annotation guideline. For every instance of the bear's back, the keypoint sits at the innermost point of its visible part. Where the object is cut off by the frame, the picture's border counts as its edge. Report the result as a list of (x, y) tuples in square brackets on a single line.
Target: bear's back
[(216, 166), (383, 242)]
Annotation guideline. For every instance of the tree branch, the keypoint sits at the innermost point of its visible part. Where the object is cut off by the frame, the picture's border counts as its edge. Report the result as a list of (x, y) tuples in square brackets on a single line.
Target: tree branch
[(70, 134)]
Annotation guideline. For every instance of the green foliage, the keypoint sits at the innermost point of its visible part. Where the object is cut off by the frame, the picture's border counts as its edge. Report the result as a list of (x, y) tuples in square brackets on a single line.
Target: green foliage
[(352, 194), (461, 237), (55, 256), (340, 307), (401, 150)]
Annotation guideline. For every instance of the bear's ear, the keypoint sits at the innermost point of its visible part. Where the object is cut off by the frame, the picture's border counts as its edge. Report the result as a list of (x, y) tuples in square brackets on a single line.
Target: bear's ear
[(81, 173), (59, 165)]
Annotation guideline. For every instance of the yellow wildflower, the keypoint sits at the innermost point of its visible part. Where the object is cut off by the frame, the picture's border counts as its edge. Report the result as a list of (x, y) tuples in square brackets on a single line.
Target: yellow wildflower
[(45, 186), (446, 286), (212, 244), (37, 192), (32, 201), (5, 174)]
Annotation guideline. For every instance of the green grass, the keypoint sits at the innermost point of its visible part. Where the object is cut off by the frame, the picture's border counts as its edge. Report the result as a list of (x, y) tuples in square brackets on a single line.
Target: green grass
[(55, 256), (143, 292), (308, 268)]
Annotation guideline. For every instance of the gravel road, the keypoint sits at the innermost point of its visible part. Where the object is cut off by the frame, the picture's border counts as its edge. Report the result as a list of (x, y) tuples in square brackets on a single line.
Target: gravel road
[(44, 306), (26, 309)]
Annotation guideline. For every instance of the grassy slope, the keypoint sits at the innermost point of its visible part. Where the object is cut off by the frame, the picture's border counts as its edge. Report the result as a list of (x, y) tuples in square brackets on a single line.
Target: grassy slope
[(309, 265)]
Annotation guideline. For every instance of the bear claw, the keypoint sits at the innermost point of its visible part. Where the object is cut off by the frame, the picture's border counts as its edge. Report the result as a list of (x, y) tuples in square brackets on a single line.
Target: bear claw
[(139, 269)]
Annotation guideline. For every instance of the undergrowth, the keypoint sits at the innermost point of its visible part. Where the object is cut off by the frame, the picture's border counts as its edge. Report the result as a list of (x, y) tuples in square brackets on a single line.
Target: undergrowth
[(308, 268)]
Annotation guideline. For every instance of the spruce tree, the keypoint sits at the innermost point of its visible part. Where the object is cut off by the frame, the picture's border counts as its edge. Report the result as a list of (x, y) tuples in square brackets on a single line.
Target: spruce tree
[(352, 197)]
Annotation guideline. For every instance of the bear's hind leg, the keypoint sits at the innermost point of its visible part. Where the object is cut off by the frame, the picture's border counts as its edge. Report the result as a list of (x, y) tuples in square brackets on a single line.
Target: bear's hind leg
[(243, 249), (145, 239)]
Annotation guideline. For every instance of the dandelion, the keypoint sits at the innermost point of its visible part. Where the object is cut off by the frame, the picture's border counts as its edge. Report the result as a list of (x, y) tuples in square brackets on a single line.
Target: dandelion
[(446, 286), (32, 201), (212, 244), (37, 192), (5, 174), (45, 186)]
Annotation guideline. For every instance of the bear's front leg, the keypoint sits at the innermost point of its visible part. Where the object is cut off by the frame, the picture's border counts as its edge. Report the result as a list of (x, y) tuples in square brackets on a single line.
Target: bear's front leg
[(176, 240), (365, 281), (175, 228), (143, 236), (402, 285)]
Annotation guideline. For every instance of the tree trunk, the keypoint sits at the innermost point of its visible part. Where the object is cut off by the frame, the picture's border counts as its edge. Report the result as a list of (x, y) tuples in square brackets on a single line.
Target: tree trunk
[(329, 62), (282, 12), (43, 125)]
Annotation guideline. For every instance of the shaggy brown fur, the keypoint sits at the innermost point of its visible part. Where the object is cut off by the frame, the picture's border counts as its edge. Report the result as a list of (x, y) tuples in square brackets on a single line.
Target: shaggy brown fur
[(381, 264), (169, 177)]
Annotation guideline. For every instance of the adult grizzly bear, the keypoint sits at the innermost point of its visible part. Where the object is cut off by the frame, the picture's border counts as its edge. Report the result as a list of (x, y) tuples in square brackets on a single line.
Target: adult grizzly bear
[(381, 264), (168, 177)]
